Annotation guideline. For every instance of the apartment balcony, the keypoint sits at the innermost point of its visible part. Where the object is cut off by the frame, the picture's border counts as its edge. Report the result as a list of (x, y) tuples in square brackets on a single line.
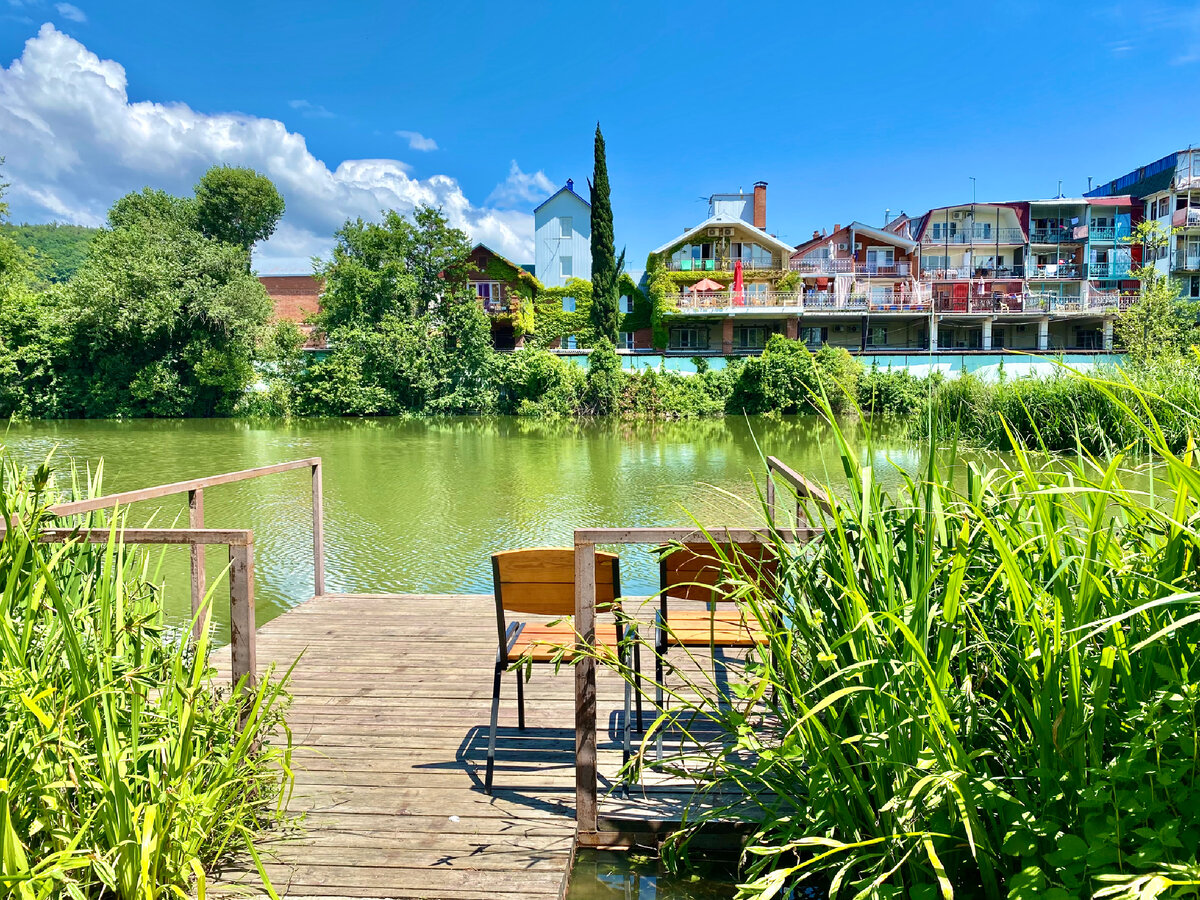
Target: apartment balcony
[(711, 302), (977, 235), (832, 266), (498, 307), (1186, 218), (1057, 272), (1108, 270), (1185, 261), (725, 303), (966, 273), (719, 265), (1053, 235)]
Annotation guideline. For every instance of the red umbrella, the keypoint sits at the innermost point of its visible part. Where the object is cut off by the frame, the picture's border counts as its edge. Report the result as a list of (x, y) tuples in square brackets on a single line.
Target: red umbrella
[(707, 285), (739, 286)]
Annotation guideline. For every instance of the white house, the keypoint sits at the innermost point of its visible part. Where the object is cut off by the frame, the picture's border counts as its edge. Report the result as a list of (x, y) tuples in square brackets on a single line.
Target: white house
[(563, 238)]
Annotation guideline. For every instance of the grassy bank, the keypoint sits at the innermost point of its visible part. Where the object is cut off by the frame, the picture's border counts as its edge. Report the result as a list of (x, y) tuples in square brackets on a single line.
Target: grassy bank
[(123, 771), (976, 687)]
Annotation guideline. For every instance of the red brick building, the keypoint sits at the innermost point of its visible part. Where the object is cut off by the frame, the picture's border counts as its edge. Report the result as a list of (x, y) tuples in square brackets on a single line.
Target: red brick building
[(297, 298)]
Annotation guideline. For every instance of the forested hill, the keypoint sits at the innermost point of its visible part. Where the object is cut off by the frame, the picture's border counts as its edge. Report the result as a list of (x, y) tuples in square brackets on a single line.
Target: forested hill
[(61, 248)]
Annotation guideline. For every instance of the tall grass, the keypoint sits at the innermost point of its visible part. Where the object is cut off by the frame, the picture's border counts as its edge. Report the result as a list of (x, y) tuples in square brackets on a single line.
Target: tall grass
[(123, 770), (985, 684), (1064, 411)]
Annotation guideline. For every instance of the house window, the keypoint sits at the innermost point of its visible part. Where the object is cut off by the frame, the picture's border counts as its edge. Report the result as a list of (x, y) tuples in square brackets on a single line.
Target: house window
[(1195, 291), (688, 338), (877, 336), (625, 340), (488, 293), (565, 268), (944, 230), (568, 304), (564, 225), (749, 337), (814, 337), (756, 294), (626, 304), (569, 342)]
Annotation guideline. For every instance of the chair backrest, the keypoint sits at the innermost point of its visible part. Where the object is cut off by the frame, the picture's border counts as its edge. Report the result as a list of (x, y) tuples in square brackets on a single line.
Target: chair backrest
[(694, 571), (542, 581)]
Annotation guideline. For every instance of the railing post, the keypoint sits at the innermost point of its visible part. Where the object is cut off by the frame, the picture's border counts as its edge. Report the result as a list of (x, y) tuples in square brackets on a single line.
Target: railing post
[(241, 613), (196, 520), (770, 493), (318, 502), (586, 814)]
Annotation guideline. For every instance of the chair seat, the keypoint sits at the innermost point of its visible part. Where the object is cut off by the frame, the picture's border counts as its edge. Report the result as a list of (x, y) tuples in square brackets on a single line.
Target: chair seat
[(721, 629), (542, 643)]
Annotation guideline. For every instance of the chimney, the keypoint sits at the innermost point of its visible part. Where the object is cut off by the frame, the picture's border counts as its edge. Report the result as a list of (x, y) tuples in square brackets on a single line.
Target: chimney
[(816, 234), (760, 205), (571, 185), (837, 226)]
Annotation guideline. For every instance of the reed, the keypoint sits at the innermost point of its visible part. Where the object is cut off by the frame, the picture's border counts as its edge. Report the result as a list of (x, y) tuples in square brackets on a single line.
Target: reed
[(123, 771), (982, 684)]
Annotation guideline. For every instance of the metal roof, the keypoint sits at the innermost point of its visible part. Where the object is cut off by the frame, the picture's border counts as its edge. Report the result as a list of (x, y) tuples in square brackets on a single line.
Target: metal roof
[(570, 191), (758, 233)]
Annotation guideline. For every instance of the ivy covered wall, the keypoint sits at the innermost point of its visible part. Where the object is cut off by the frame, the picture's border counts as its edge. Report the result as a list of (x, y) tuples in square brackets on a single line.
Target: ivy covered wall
[(553, 323)]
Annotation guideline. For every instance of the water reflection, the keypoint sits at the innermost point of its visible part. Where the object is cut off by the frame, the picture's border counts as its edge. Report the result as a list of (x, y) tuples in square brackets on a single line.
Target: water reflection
[(418, 505), (599, 875)]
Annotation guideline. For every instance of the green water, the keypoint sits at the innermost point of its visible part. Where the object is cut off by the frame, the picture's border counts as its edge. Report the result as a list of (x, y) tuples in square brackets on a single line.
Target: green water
[(599, 875), (418, 506)]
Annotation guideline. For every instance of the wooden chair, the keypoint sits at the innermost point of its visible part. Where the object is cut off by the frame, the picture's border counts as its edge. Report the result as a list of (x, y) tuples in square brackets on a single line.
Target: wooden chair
[(697, 572), (542, 582)]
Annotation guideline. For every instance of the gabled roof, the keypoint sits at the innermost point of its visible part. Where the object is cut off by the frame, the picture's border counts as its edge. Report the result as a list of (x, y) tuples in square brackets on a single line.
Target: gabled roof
[(564, 188), (503, 259), (880, 235), (760, 235)]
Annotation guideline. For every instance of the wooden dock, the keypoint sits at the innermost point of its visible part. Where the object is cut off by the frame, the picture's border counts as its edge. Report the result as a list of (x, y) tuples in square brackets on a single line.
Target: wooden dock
[(392, 696)]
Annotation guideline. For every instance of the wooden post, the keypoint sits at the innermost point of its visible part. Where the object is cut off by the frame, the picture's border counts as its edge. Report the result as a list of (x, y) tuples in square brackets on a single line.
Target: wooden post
[(241, 613), (770, 493), (585, 691), (318, 500), (196, 520)]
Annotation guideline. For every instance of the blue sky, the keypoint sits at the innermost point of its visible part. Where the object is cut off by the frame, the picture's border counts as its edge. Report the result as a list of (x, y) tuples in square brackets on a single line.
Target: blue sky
[(483, 107)]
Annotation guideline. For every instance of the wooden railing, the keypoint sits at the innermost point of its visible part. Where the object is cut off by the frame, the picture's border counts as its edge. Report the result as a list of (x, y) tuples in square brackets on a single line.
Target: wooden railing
[(587, 812), (805, 489), (239, 541)]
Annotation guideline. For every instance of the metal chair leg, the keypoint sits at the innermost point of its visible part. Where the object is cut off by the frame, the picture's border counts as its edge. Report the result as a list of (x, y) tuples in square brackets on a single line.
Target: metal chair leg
[(521, 699), (491, 754)]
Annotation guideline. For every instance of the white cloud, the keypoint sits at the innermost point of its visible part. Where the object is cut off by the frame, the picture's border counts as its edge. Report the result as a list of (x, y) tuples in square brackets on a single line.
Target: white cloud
[(521, 188), (70, 11), (417, 141), (310, 110), (75, 143)]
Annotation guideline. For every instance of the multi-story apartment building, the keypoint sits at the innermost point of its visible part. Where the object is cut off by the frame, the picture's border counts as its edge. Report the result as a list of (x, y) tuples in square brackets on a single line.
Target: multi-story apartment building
[(562, 237), (1168, 192)]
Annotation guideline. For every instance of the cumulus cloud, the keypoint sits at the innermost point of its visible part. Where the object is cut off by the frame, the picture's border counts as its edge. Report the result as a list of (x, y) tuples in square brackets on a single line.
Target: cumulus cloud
[(417, 141), (521, 188), (75, 143), (70, 11), (310, 110)]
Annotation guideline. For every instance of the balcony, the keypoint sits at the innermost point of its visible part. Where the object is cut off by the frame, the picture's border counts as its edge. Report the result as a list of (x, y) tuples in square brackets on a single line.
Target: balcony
[(719, 265), (498, 307), (725, 303), (1062, 235), (1186, 218), (980, 234), (833, 266), (1186, 261), (1056, 271), (1108, 270), (964, 273)]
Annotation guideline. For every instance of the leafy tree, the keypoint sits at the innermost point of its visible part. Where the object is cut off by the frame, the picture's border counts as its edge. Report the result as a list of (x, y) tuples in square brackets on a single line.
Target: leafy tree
[(602, 388), (57, 250), (161, 320), (237, 205), (606, 268), (1159, 323)]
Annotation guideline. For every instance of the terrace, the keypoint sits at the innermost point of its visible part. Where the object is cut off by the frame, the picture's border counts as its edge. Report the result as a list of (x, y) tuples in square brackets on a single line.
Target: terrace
[(980, 233), (964, 273), (722, 264), (727, 303), (847, 266), (1053, 271)]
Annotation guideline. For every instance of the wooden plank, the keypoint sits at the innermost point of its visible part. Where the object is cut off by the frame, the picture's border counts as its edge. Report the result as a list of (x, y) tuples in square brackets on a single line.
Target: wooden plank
[(241, 614), (179, 487), (232, 537), (318, 501), (585, 688), (691, 535)]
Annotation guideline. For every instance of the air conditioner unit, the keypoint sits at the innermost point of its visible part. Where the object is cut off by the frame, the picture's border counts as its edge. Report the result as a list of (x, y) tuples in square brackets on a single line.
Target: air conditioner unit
[(839, 328), (714, 232), (958, 215), (843, 246), (858, 245)]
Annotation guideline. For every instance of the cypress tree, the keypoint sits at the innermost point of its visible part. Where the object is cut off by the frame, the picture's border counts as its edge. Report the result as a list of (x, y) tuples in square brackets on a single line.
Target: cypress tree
[(606, 269)]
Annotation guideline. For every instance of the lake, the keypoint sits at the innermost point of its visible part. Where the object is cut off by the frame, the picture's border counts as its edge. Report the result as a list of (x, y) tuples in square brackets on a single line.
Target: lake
[(418, 505)]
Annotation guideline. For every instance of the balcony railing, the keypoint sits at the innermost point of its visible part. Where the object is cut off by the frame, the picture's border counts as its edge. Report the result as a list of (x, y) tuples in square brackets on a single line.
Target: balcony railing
[(1052, 235), (725, 302), (834, 266), (497, 307), (1185, 262), (1066, 271), (1106, 235), (963, 273), (1186, 218), (719, 265), (1108, 270), (977, 235)]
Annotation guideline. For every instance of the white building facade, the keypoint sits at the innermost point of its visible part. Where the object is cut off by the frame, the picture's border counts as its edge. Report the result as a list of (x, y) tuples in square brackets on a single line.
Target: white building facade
[(563, 238)]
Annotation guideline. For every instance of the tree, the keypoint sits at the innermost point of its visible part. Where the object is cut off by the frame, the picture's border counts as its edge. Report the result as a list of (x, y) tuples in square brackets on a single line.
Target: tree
[(237, 205), (1160, 323), (161, 320), (606, 269)]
